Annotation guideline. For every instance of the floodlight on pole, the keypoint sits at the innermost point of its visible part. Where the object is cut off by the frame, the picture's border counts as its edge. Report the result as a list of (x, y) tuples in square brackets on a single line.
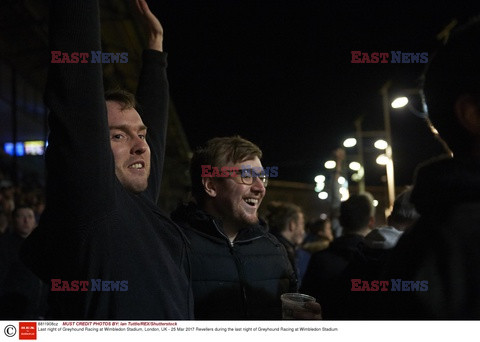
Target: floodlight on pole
[(400, 102), (330, 164), (349, 142)]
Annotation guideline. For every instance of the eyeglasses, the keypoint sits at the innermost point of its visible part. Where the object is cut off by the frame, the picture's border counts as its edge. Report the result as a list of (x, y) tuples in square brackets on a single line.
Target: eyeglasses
[(248, 179)]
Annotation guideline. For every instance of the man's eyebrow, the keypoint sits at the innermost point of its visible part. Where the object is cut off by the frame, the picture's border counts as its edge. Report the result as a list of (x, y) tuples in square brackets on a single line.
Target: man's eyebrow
[(126, 128)]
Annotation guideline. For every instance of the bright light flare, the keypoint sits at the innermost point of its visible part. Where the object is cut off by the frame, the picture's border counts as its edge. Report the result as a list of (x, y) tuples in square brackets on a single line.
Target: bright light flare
[(350, 142), (400, 102)]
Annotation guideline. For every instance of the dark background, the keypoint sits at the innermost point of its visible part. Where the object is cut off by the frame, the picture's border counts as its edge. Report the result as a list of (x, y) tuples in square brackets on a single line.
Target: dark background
[(280, 74)]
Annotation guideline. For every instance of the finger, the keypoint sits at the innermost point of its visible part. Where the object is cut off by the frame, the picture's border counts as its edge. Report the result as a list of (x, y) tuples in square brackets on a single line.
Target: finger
[(139, 7), (145, 9)]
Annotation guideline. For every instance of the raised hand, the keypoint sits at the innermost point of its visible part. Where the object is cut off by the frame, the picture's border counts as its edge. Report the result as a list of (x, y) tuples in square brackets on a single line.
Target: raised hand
[(153, 25)]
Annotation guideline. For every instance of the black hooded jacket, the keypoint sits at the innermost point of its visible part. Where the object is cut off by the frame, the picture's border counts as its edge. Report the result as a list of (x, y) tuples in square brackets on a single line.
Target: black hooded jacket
[(242, 279), (442, 248)]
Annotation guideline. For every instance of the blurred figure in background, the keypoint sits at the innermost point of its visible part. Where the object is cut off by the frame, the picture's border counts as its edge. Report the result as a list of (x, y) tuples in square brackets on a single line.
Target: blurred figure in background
[(325, 278), (442, 248), (319, 234), (22, 294), (287, 223)]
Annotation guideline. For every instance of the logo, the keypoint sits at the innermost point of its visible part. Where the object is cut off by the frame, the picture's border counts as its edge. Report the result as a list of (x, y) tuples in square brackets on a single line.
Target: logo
[(27, 331), (392, 57), (10, 331), (83, 285), (83, 57), (394, 285), (246, 171)]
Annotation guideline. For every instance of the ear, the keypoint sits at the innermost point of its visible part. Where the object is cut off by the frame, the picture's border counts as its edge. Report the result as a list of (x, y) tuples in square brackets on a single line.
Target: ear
[(292, 225), (468, 113), (209, 186), (371, 222)]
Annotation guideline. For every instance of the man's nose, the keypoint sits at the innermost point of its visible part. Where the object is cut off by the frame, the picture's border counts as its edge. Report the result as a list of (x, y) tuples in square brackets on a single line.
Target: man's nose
[(139, 146), (258, 184)]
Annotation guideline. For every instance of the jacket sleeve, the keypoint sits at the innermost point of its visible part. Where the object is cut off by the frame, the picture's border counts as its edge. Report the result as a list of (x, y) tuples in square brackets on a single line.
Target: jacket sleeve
[(152, 95), (80, 171)]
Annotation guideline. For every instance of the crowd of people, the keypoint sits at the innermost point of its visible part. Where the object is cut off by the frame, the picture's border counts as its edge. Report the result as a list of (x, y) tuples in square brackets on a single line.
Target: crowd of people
[(215, 258)]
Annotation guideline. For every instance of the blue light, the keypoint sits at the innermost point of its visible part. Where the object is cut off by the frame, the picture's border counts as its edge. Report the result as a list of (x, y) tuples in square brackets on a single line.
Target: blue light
[(19, 149)]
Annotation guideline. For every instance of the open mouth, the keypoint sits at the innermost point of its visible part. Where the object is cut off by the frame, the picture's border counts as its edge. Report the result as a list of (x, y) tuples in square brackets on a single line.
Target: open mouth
[(251, 201), (137, 166)]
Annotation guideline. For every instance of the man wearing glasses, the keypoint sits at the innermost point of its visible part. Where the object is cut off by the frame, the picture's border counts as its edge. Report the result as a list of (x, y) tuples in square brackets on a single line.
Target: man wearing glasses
[(239, 270)]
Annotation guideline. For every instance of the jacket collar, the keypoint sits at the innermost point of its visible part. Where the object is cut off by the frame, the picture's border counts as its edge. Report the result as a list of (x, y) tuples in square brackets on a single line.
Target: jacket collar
[(192, 217)]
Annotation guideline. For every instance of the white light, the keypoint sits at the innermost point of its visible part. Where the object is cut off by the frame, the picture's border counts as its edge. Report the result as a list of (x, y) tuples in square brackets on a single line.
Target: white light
[(320, 187), (380, 144), (323, 195), (375, 203), (341, 180), (382, 159), (330, 164), (400, 102), (319, 179), (350, 142), (355, 166), (356, 177), (344, 194)]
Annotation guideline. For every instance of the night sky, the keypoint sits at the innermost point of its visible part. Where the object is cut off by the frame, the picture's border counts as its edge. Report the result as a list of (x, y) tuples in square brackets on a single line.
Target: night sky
[(280, 74)]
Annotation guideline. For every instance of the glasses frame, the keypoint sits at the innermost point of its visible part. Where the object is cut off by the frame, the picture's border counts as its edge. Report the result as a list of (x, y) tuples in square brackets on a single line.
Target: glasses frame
[(247, 178)]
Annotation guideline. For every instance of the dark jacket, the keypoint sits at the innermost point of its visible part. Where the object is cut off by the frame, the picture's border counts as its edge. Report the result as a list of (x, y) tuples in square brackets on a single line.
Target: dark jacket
[(235, 280), (442, 248), (22, 294), (92, 227), (327, 277)]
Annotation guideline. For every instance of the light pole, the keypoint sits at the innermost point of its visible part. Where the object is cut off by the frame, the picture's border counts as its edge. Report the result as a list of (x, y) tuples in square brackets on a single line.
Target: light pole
[(388, 151)]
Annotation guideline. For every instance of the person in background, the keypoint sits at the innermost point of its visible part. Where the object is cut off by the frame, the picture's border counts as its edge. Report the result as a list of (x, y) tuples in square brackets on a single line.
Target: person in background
[(440, 253), (326, 278), (286, 221), (22, 294), (318, 237)]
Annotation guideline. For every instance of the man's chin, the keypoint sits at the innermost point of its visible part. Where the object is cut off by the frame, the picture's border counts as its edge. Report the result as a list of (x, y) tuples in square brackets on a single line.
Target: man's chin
[(136, 188)]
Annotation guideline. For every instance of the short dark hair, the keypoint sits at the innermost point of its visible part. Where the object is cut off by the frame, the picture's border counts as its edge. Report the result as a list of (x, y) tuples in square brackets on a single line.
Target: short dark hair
[(279, 214), (356, 211), (121, 96), (20, 207), (219, 152), (453, 71)]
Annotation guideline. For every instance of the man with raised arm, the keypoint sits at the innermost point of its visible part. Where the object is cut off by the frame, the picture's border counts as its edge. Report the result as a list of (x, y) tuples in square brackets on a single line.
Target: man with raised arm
[(102, 245)]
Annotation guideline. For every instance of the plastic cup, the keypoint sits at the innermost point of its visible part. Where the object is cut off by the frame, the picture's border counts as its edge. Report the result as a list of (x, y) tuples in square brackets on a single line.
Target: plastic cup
[(294, 302)]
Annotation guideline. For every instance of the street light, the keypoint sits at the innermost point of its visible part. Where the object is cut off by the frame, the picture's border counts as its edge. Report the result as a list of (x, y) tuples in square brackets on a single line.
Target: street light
[(400, 102), (388, 150)]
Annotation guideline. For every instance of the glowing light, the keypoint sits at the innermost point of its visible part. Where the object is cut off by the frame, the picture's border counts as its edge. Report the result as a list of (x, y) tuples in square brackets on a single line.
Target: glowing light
[(400, 102), (330, 164), (382, 159), (355, 166), (344, 194), (323, 195), (350, 142), (319, 179), (381, 144)]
